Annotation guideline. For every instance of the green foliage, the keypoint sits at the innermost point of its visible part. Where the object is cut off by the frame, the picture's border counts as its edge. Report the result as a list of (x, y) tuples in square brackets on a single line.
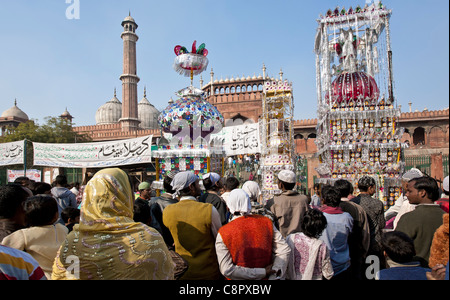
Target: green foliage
[(54, 131)]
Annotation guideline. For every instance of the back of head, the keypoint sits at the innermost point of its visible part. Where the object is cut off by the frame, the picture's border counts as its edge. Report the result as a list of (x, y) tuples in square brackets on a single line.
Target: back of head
[(331, 196), (365, 182), (429, 185), (313, 223), (211, 181), (25, 181), (398, 246), (69, 213), (11, 198), (344, 187), (39, 188), (231, 183), (40, 210), (61, 180)]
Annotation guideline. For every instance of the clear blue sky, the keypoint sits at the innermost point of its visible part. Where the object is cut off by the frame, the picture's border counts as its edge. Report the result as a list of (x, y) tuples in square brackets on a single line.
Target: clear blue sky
[(49, 62)]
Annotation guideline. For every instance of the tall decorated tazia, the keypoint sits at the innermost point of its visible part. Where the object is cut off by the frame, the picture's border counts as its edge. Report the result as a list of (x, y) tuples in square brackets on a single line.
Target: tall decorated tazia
[(187, 124), (357, 131)]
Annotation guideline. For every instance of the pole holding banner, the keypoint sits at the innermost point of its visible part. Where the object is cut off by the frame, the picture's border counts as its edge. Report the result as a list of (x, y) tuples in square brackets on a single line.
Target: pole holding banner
[(25, 158)]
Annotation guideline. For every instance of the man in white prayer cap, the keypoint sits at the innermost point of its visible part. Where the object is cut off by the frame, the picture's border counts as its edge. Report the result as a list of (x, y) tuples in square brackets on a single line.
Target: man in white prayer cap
[(213, 185), (194, 227), (290, 206), (405, 206), (249, 247), (407, 176)]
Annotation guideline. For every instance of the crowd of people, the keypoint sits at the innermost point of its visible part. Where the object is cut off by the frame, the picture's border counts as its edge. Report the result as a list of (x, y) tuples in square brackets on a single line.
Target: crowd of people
[(225, 230)]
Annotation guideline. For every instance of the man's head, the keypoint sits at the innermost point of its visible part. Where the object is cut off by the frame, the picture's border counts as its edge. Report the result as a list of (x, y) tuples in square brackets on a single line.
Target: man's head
[(331, 196), (61, 181), (231, 183), (186, 184), (398, 246), (422, 190), (344, 187), (211, 181), (11, 199), (168, 181), (367, 185), (286, 180), (410, 174)]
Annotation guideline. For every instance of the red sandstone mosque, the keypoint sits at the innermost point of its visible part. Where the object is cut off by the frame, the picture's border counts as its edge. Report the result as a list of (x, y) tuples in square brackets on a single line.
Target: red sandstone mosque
[(426, 132)]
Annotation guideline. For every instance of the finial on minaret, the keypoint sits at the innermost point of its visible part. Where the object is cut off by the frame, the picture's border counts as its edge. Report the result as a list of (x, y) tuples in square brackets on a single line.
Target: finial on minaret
[(115, 93), (281, 74), (145, 91), (15, 101), (264, 71), (201, 81)]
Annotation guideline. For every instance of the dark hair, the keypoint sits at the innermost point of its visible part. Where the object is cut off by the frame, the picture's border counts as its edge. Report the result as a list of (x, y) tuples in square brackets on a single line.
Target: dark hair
[(141, 212), (39, 188), (365, 182), (429, 185), (287, 186), (40, 210), (167, 184), (231, 183), (61, 180), (398, 246), (69, 213), (207, 183), (344, 187), (331, 196), (313, 223), (11, 198), (22, 180)]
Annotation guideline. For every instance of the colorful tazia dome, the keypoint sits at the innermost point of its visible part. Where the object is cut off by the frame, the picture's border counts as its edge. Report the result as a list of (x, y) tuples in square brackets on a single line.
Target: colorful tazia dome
[(353, 87), (190, 109)]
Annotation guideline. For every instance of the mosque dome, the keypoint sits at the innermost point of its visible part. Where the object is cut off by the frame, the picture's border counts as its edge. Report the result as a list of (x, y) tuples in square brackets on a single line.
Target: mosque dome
[(15, 112), (110, 112), (147, 114)]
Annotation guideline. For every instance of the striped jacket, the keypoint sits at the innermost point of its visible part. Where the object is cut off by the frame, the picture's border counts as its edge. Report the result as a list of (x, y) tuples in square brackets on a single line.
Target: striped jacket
[(18, 265)]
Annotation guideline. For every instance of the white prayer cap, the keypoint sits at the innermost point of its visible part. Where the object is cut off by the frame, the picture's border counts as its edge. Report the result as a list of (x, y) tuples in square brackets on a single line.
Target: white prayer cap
[(411, 174), (182, 180), (239, 201), (214, 177), (287, 176), (445, 184)]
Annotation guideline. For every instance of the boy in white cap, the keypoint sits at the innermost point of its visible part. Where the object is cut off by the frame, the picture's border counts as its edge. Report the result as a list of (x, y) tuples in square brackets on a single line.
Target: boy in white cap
[(290, 206)]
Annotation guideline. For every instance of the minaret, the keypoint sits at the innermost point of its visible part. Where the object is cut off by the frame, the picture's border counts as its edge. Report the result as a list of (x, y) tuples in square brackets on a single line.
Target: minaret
[(129, 120)]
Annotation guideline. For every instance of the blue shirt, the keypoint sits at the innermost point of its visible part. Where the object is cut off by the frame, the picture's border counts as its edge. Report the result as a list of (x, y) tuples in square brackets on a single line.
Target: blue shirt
[(335, 237)]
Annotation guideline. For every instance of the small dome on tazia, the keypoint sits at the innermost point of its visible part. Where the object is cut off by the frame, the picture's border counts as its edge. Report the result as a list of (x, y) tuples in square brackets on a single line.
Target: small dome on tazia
[(110, 112), (147, 113), (15, 112)]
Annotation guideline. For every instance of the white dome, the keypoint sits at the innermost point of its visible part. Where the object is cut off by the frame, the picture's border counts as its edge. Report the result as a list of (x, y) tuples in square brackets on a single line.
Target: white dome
[(147, 114), (110, 112), (15, 112)]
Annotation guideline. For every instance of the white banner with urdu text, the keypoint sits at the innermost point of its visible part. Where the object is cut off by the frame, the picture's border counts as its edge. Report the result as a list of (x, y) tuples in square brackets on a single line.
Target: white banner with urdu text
[(94, 155)]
